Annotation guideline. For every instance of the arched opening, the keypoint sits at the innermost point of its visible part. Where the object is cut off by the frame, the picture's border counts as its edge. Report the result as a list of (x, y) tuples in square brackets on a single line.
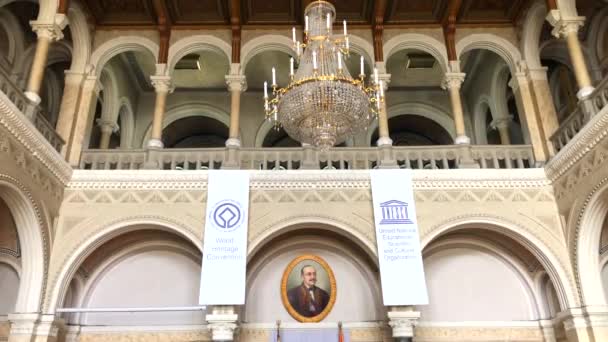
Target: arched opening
[(358, 297), (135, 270), (416, 77), (476, 274), (489, 80), (195, 132), (414, 130)]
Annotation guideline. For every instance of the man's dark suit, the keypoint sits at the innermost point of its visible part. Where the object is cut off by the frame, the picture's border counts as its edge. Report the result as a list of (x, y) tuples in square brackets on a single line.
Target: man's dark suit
[(301, 300)]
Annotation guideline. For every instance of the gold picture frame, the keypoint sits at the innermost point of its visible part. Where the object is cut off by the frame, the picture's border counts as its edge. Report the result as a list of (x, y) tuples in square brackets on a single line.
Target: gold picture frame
[(293, 293)]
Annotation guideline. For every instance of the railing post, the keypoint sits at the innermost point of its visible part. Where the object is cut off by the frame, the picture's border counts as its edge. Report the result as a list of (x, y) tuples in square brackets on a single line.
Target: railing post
[(310, 158), (466, 160), (587, 108), (152, 160), (232, 159), (387, 158)]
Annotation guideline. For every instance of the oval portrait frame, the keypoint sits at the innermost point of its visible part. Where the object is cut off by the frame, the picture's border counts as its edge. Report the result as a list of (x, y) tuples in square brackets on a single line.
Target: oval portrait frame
[(332, 284)]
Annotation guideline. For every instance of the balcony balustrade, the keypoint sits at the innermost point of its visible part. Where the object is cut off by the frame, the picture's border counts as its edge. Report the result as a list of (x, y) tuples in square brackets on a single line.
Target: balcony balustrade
[(586, 110), (414, 157), (17, 97)]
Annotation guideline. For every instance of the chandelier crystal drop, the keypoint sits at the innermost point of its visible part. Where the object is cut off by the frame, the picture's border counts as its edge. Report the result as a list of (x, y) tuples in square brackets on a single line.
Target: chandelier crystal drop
[(323, 105)]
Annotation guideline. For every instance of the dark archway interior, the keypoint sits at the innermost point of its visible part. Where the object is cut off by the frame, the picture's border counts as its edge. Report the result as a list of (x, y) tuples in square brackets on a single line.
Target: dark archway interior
[(414, 130), (195, 132)]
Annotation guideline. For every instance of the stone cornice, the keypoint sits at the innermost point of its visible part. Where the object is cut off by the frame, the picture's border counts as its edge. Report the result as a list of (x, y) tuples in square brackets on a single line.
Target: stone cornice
[(23, 131), (305, 180), (581, 145)]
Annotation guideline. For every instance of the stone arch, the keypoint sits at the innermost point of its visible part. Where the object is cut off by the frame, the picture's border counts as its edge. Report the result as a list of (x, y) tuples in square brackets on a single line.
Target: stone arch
[(268, 42), (118, 45), (33, 238), (557, 271), (81, 37), (189, 109), (420, 42), (60, 284), (191, 44), (127, 122), (487, 41), (325, 223), (422, 109), (15, 35), (89, 284), (597, 32), (588, 233), (503, 255), (532, 27)]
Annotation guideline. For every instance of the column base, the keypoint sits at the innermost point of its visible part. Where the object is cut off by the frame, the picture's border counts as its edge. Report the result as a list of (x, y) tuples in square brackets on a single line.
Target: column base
[(232, 160), (585, 92), (155, 144), (33, 97), (462, 140), (233, 142), (384, 141)]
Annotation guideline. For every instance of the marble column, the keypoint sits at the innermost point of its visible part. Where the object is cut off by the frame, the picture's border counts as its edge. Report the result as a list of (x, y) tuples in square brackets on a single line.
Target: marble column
[(544, 104), (46, 33), (402, 321), (452, 82), (384, 137), (222, 322), (69, 105), (28, 327), (237, 84), (80, 122), (525, 106), (107, 127), (502, 125), (163, 86), (567, 28)]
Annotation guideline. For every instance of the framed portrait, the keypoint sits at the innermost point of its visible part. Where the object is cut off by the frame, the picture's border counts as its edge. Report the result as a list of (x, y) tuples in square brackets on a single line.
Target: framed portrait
[(308, 288)]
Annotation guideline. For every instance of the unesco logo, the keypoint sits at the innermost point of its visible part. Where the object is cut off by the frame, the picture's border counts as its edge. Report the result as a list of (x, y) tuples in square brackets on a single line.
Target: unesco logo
[(227, 215)]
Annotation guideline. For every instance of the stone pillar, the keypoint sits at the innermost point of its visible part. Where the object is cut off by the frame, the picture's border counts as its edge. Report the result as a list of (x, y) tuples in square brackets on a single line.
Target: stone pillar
[(502, 125), (163, 86), (544, 104), (69, 103), (586, 324), (222, 323), (86, 107), (402, 321), (385, 143), (47, 33), (237, 84), (452, 82), (567, 27), (525, 105), (30, 327), (107, 128)]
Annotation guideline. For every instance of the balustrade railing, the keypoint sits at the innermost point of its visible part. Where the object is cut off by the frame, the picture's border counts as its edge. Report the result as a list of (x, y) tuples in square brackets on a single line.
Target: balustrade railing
[(15, 95), (411, 157), (587, 108)]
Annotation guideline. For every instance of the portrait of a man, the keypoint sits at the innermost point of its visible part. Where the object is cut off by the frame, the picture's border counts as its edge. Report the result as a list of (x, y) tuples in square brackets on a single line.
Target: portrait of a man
[(308, 288), (307, 299)]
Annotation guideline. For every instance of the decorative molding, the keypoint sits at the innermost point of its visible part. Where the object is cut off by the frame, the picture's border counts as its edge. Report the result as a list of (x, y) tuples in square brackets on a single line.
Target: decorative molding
[(306, 180), (580, 146), (20, 129)]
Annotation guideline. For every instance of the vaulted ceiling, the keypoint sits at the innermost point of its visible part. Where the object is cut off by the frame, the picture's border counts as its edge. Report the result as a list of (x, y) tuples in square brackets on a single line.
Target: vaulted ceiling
[(189, 13)]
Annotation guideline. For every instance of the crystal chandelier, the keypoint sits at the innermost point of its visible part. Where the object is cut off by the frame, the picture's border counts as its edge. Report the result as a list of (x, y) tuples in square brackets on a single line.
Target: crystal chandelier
[(323, 105)]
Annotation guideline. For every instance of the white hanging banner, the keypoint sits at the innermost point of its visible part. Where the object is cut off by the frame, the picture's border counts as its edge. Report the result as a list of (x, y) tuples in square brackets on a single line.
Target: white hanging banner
[(399, 254), (225, 244)]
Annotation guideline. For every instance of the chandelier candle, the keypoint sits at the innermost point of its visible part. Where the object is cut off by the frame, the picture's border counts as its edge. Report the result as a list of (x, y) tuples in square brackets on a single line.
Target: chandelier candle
[(323, 105)]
